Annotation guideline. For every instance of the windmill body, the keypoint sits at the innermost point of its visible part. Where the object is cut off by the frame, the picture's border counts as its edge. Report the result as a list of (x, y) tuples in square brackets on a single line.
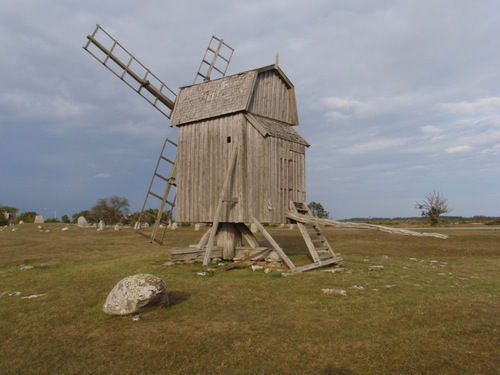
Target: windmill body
[(255, 113)]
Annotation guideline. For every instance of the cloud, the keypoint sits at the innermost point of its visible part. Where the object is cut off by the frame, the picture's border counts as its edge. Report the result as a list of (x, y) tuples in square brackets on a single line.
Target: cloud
[(343, 108), (490, 105), (430, 129), (102, 175), (457, 149)]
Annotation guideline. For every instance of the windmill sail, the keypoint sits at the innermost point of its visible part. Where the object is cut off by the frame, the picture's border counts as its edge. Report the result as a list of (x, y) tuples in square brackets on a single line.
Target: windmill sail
[(125, 66), (217, 58)]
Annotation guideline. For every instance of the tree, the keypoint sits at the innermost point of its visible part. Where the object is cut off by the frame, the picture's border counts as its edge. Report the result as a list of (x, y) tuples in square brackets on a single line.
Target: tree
[(111, 209), (7, 213), (318, 211), (65, 218), (85, 213), (27, 217), (433, 206)]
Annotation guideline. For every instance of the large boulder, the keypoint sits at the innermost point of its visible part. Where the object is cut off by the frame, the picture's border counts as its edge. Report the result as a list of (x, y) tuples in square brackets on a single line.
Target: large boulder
[(82, 222), (135, 294)]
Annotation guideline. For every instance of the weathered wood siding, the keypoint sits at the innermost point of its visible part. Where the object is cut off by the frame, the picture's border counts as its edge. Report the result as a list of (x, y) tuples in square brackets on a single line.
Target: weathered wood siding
[(204, 151), (269, 172), (273, 98)]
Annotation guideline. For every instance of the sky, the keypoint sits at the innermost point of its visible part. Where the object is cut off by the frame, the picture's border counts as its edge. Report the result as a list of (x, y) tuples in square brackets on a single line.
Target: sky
[(397, 98)]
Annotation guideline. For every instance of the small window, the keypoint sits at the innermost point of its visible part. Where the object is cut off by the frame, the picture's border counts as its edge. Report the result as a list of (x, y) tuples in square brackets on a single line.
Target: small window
[(228, 140)]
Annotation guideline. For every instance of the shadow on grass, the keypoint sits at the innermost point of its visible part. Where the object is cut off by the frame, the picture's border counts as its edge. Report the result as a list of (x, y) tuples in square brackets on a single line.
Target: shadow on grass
[(177, 297)]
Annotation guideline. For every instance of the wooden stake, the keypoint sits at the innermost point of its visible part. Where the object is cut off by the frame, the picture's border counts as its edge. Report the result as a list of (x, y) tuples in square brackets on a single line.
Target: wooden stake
[(223, 194)]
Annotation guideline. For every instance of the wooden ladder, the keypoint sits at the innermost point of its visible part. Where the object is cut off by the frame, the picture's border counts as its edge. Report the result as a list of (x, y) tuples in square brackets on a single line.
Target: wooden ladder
[(168, 197), (315, 239)]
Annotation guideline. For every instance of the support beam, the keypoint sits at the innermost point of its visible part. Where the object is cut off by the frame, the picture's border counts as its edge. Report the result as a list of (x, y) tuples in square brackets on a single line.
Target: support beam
[(340, 224), (222, 195), (274, 244)]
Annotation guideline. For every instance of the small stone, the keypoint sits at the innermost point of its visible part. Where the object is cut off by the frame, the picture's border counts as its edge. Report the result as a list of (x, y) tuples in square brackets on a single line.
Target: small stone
[(101, 226), (376, 268), (389, 286), (268, 270), (136, 318), (13, 294), (15, 229), (333, 270), (34, 296), (256, 268), (385, 257), (65, 229), (414, 259), (27, 267), (335, 291), (357, 287), (202, 273)]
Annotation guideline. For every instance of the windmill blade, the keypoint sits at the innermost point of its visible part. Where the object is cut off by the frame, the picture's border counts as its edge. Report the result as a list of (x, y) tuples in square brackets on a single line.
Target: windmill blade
[(217, 57), (125, 66)]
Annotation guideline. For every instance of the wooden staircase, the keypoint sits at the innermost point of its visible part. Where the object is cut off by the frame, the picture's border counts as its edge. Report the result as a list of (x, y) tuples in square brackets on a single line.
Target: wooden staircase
[(316, 242)]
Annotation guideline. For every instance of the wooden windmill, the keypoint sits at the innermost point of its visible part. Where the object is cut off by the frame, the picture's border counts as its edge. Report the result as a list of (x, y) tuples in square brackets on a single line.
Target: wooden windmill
[(239, 159)]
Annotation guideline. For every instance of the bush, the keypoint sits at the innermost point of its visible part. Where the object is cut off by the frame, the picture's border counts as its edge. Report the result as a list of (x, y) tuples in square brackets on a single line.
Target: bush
[(3, 220), (27, 217)]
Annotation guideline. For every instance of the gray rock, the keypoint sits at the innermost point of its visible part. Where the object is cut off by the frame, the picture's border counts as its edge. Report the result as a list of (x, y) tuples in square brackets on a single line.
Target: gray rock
[(376, 268), (135, 294), (335, 291), (39, 219), (82, 222), (101, 225)]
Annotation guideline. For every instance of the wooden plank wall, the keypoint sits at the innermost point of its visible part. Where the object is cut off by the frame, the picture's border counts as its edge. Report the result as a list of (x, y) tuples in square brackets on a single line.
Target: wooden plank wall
[(269, 172), (271, 98), (203, 159)]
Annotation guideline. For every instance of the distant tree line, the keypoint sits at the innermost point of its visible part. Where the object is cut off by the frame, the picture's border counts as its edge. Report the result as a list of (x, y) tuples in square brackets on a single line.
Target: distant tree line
[(116, 209)]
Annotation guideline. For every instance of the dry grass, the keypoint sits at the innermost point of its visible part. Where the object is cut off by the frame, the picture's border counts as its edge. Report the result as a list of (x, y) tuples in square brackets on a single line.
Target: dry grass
[(441, 317)]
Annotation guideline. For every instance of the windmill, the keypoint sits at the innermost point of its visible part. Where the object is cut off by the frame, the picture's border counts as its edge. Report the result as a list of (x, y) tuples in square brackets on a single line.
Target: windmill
[(238, 158)]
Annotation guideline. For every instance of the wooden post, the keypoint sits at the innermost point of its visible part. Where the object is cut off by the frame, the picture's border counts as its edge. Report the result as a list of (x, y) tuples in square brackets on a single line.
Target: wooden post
[(222, 195), (228, 237)]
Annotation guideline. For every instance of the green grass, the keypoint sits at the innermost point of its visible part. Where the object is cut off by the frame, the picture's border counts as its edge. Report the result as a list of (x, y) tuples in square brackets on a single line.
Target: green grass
[(442, 316)]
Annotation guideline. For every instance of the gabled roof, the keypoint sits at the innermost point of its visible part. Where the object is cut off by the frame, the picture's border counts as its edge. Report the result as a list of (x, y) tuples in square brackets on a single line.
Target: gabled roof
[(268, 127), (219, 97)]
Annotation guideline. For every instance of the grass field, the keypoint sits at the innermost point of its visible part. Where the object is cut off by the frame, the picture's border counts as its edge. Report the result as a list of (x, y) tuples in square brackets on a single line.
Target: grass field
[(433, 309)]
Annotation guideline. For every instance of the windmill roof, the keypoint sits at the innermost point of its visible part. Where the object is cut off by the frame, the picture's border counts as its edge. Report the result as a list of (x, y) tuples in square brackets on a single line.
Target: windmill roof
[(268, 127), (219, 97)]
